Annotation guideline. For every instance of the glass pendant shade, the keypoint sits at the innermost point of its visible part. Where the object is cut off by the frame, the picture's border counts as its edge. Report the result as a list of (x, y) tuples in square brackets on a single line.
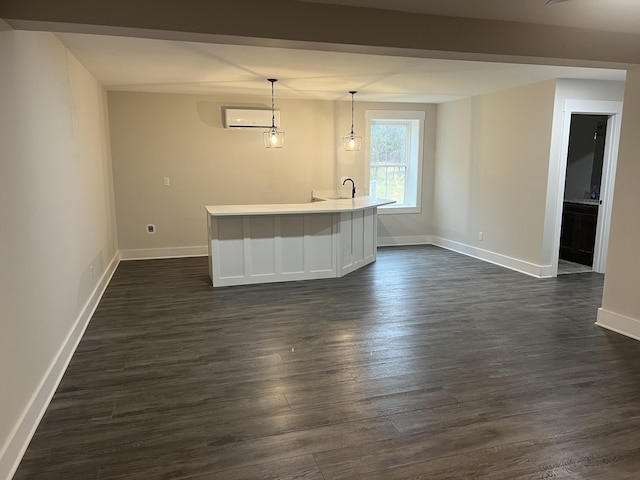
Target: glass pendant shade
[(274, 137), (352, 141)]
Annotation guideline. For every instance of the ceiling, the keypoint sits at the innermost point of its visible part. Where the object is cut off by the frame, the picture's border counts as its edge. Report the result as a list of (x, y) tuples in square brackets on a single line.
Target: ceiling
[(152, 65), (147, 65)]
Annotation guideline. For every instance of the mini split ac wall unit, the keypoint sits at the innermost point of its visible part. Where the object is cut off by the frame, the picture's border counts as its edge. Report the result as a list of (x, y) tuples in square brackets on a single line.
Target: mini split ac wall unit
[(249, 118)]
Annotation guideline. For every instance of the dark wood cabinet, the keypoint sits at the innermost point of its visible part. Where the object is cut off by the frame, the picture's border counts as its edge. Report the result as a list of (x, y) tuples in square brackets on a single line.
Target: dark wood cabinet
[(578, 235)]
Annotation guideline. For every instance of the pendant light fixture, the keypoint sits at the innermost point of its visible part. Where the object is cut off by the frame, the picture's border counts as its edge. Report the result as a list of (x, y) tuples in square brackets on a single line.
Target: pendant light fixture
[(352, 141), (273, 138)]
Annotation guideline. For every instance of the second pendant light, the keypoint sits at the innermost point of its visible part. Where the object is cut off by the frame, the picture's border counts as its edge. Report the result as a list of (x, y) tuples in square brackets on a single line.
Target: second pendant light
[(274, 137), (352, 141)]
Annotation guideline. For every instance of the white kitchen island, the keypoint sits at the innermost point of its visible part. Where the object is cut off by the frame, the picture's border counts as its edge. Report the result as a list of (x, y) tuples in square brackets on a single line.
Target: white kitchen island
[(283, 242)]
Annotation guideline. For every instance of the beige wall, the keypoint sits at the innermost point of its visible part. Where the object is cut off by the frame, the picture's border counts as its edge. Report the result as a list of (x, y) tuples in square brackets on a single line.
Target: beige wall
[(622, 280), (57, 216), (491, 169), (452, 176), (392, 228), (182, 137)]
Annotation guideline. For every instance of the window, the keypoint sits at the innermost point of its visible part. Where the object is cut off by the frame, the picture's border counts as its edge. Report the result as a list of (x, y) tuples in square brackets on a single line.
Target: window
[(394, 154)]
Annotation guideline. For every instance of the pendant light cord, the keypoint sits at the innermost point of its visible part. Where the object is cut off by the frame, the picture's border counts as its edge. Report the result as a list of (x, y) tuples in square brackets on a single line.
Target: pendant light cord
[(352, 101), (273, 107), (352, 92)]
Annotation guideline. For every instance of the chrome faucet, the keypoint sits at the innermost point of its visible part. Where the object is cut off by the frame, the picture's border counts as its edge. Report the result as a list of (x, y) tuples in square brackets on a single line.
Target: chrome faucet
[(353, 187)]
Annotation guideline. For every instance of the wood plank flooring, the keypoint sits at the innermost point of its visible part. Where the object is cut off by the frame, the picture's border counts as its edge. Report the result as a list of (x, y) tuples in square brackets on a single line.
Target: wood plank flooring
[(425, 365)]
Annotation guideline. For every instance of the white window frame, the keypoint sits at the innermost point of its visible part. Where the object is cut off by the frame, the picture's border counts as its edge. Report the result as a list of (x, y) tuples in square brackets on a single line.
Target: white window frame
[(414, 169)]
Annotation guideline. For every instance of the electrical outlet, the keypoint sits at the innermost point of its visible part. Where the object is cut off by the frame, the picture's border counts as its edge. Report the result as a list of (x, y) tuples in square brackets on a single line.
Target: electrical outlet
[(480, 236), (151, 228), (166, 182), (91, 270)]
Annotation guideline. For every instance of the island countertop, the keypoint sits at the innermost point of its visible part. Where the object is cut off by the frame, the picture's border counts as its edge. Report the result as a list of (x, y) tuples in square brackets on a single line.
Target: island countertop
[(321, 206)]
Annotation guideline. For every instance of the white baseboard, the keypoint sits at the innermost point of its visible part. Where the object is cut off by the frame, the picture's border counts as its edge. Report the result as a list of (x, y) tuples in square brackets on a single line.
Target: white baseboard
[(546, 271), (619, 323), (401, 241), (26, 427), (153, 253), (538, 271)]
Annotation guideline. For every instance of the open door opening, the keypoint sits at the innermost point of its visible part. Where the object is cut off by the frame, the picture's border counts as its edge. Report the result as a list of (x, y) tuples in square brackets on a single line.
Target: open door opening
[(610, 113), (581, 200)]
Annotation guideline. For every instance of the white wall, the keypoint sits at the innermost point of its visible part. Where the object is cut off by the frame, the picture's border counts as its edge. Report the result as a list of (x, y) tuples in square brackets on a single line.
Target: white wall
[(182, 137), (58, 229), (491, 168), (621, 303)]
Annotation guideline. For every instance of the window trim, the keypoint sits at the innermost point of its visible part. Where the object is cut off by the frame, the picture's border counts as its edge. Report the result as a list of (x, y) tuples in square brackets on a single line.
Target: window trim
[(415, 163)]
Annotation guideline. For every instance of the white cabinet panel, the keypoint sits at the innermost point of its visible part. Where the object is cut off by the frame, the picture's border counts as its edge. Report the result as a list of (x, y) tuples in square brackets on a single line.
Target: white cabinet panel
[(370, 235), (229, 247), (292, 243), (357, 233), (261, 245), (320, 243), (358, 240), (346, 241)]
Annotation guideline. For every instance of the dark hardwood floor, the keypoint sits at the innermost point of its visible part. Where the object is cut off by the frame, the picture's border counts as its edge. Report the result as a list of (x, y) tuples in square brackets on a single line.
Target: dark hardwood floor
[(425, 365)]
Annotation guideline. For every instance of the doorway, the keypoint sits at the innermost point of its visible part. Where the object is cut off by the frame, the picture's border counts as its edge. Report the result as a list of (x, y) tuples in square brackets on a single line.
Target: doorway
[(581, 199), (612, 110)]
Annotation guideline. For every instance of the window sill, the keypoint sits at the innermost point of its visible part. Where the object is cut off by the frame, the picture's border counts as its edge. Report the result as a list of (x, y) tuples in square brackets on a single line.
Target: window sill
[(391, 210)]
